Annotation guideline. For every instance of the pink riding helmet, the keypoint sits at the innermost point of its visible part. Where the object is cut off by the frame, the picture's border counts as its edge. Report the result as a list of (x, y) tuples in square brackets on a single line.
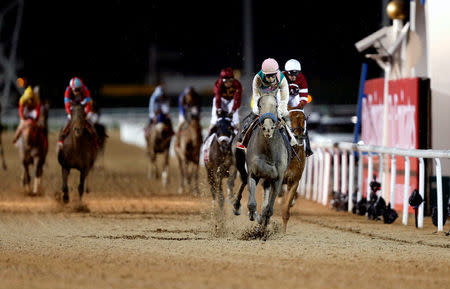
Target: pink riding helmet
[(270, 66)]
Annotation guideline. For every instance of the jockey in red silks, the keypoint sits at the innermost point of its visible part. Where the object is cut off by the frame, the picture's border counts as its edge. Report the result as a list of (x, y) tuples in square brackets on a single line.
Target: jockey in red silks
[(29, 108), (298, 92), (227, 98), (77, 92)]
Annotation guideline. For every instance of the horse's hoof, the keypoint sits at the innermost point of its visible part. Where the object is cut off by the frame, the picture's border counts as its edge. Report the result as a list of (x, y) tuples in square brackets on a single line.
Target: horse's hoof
[(180, 191), (292, 203), (252, 216), (238, 211), (65, 198), (33, 194), (259, 219)]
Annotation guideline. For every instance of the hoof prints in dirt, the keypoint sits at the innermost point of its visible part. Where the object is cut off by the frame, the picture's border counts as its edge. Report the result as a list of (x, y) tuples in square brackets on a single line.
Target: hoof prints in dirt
[(144, 237), (257, 232)]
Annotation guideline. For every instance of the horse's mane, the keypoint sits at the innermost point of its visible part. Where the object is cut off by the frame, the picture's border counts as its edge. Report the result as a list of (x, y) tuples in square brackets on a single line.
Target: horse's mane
[(78, 111)]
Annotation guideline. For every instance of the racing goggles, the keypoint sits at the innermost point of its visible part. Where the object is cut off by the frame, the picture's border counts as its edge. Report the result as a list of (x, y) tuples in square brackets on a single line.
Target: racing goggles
[(293, 72), (227, 79), (270, 77)]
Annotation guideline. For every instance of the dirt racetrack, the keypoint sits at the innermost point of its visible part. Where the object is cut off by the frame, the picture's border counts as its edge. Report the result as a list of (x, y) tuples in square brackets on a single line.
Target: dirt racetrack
[(136, 234)]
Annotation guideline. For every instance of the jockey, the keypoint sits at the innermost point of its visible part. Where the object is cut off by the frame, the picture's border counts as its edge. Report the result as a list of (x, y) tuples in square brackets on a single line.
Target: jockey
[(77, 92), (227, 98), (268, 81), (159, 107), (29, 108), (188, 102), (298, 92)]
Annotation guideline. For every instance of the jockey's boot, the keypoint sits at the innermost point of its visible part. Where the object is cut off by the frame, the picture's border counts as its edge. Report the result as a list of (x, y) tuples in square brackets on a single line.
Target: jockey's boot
[(246, 132), (63, 135), (290, 134), (308, 150)]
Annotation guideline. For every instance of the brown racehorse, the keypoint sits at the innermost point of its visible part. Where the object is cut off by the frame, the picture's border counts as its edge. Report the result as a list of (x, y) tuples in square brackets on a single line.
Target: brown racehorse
[(33, 148), (158, 137), (220, 159), (297, 164), (79, 151), (187, 148)]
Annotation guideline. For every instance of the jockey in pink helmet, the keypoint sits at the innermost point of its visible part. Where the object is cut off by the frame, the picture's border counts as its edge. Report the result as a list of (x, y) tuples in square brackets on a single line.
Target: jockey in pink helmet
[(268, 81)]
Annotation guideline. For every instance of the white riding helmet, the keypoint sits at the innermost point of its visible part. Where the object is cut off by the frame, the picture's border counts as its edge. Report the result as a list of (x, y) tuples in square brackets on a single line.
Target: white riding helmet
[(292, 64)]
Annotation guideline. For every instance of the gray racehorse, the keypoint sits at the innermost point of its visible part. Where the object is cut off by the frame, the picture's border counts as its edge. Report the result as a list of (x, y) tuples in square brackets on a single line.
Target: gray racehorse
[(267, 158)]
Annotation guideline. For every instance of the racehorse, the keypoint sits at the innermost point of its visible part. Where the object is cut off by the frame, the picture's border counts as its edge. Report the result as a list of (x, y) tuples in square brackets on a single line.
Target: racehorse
[(267, 158), (158, 137), (297, 164), (79, 152), (187, 146), (33, 148), (218, 160)]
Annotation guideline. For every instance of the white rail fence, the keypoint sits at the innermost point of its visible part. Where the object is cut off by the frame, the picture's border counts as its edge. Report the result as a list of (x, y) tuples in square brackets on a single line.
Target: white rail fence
[(315, 183)]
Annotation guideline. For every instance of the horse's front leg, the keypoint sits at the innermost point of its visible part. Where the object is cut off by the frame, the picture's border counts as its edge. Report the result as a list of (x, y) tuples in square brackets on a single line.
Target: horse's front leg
[(38, 164), (26, 179), (154, 166), (165, 171), (252, 183), (182, 173), (292, 191), (267, 187), (230, 182), (65, 187), (220, 192), (237, 209), (267, 212), (83, 174), (212, 185)]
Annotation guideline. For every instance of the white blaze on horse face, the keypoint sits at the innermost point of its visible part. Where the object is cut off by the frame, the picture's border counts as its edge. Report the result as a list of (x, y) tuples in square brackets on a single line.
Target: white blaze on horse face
[(268, 127)]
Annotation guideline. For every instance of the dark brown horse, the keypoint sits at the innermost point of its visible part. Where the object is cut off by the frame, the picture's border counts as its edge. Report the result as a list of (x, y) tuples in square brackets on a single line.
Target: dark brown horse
[(187, 148), (79, 152), (219, 159), (158, 137), (297, 164), (33, 148)]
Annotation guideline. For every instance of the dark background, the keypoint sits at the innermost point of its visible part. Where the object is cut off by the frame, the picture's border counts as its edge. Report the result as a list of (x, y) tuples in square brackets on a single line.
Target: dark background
[(107, 42)]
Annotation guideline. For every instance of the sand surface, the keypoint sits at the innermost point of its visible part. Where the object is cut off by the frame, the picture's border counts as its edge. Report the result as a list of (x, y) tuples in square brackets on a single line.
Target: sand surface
[(137, 234)]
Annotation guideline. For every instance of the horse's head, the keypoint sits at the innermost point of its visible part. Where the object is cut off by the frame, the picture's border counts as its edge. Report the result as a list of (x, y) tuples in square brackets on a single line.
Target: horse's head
[(190, 97), (268, 127), (298, 119), (224, 133), (78, 121), (29, 133), (268, 104)]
